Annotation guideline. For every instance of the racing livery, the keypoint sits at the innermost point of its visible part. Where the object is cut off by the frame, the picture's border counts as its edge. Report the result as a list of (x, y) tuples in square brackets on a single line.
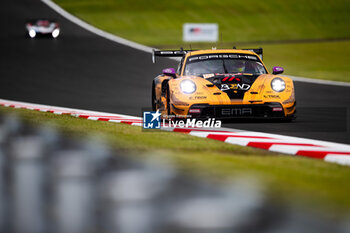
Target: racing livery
[(227, 83), (42, 27)]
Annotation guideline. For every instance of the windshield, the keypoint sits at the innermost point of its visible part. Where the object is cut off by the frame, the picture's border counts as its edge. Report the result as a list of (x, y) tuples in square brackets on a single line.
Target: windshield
[(223, 64)]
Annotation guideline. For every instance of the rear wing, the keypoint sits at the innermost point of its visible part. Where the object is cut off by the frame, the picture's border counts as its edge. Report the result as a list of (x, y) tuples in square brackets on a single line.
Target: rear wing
[(258, 51), (181, 53), (169, 53)]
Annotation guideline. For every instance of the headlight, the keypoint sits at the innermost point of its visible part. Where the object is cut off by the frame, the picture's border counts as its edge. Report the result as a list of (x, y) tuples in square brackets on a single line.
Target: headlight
[(32, 33), (55, 33), (278, 84), (187, 86)]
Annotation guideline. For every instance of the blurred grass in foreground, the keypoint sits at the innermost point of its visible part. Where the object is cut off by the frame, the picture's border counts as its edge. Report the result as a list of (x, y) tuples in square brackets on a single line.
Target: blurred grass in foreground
[(314, 183)]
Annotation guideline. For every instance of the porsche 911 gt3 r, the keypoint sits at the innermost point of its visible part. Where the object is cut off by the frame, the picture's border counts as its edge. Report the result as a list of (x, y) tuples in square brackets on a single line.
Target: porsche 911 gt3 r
[(228, 84), (42, 27)]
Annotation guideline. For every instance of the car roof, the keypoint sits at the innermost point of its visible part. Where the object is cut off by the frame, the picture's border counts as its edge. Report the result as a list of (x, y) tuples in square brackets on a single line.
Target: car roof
[(216, 51), (42, 19), (210, 51)]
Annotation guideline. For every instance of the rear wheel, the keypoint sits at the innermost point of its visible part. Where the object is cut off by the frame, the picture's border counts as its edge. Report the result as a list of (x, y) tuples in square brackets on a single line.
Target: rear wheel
[(154, 100)]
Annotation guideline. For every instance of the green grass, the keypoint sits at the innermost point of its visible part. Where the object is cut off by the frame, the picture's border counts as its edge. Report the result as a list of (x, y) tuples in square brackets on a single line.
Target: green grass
[(156, 22), (314, 183), (159, 24), (328, 60)]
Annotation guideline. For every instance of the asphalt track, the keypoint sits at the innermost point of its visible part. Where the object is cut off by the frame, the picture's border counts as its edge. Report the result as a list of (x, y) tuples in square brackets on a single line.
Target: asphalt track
[(82, 70)]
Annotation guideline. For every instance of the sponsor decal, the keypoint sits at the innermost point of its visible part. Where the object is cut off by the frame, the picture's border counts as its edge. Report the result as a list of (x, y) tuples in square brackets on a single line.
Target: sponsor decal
[(151, 120), (272, 96), (235, 86), (277, 109), (225, 87), (222, 56), (200, 97), (197, 97), (236, 112), (208, 75), (195, 110)]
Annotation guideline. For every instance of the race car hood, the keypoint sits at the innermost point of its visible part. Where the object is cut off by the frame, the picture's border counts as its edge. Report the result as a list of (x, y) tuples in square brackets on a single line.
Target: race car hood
[(234, 85)]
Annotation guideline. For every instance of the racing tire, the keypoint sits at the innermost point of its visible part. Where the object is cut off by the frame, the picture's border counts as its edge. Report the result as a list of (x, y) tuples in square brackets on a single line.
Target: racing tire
[(26, 35), (154, 104), (168, 100), (290, 118)]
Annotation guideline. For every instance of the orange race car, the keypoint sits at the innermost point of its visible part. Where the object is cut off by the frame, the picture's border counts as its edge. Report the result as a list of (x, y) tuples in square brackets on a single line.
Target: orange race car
[(222, 84)]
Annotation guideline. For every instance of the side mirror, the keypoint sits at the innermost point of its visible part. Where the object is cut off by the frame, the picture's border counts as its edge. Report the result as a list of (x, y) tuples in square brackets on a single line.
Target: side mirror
[(170, 72), (277, 70)]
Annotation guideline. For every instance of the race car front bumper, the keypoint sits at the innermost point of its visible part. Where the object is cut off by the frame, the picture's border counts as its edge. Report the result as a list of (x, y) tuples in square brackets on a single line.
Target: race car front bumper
[(266, 110)]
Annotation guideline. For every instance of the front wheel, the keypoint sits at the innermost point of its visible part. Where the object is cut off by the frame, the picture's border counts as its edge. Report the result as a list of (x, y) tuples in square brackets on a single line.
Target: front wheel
[(168, 100)]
